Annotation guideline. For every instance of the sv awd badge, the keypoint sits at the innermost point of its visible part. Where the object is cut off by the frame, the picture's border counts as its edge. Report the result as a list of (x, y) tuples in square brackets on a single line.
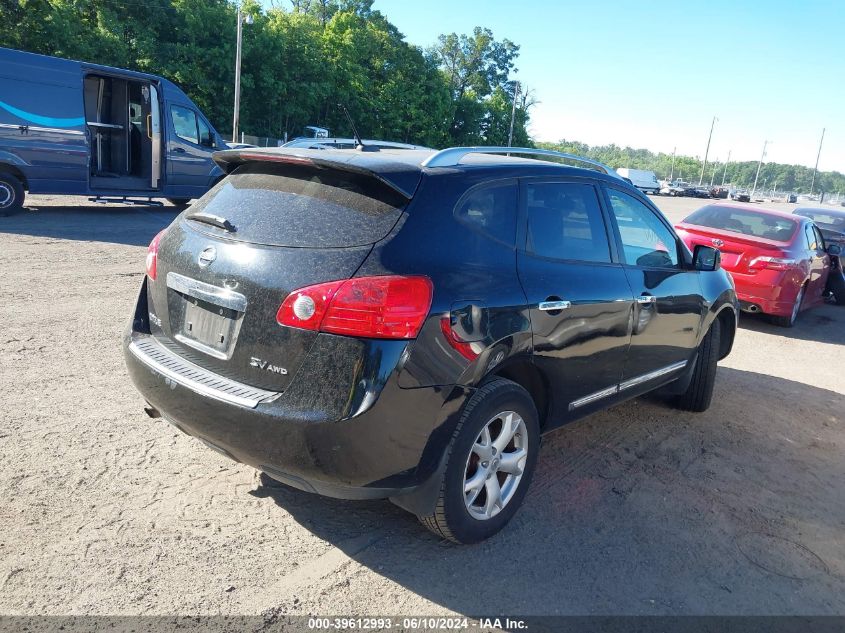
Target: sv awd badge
[(263, 364)]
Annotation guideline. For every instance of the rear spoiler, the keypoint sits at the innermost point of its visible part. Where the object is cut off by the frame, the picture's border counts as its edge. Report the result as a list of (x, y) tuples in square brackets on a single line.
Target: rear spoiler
[(396, 176)]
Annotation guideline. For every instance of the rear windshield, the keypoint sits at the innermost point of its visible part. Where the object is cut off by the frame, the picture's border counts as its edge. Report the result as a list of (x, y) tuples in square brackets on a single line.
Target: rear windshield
[(768, 227), (299, 206), (824, 219)]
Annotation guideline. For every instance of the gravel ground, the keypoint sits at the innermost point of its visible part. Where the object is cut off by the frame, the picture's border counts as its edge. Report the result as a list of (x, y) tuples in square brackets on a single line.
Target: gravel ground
[(637, 510)]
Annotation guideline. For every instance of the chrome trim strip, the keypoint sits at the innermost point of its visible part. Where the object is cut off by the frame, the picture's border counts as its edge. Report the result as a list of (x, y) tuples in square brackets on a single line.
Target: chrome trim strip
[(637, 380), (170, 365), (222, 297), (35, 128), (453, 155), (604, 393), (547, 306), (598, 395)]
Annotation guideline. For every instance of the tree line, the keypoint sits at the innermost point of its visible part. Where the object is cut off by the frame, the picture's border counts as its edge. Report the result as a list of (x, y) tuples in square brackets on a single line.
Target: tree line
[(300, 60), (777, 176)]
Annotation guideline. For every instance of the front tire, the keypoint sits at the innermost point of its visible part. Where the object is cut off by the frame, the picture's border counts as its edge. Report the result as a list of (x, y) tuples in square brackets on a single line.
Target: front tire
[(698, 395), (11, 194), (179, 202), (491, 459)]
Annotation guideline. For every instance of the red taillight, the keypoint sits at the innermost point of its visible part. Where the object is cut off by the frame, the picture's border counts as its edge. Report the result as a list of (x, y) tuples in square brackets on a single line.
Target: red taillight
[(459, 345), (771, 263), (152, 255), (370, 307)]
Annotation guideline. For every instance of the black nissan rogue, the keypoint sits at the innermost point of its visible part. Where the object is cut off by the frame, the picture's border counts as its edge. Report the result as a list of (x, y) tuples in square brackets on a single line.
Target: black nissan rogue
[(406, 324)]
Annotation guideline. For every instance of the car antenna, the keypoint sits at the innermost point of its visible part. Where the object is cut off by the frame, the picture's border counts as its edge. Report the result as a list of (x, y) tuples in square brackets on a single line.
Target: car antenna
[(359, 143)]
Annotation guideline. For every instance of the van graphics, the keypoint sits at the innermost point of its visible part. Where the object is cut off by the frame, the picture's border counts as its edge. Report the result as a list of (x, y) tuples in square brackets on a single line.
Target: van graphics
[(47, 121)]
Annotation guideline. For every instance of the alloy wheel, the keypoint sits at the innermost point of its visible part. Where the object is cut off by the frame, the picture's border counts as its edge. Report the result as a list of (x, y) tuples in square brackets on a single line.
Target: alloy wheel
[(495, 465), (797, 307)]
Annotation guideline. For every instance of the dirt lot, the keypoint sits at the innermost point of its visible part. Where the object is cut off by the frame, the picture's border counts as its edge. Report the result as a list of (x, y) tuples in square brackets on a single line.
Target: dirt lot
[(638, 510)]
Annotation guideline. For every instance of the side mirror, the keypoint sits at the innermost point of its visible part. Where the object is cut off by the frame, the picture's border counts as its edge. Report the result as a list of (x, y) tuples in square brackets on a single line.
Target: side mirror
[(706, 258), (834, 249)]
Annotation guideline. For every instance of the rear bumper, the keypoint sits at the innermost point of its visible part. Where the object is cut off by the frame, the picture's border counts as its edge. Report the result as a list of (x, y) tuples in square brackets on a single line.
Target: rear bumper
[(769, 291), (349, 432)]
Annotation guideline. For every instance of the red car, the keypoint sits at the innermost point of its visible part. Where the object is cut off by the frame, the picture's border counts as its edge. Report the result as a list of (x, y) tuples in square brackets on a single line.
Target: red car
[(778, 260)]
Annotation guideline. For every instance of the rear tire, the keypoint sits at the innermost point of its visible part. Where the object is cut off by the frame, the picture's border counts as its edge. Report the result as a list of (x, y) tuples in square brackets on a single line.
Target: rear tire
[(179, 202), (789, 321), (11, 194), (698, 395), (494, 448)]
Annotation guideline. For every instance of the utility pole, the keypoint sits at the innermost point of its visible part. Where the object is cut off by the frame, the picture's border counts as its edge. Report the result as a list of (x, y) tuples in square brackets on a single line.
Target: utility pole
[(725, 173), (760, 164), (672, 175), (707, 151), (513, 113), (236, 118), (815, 169)]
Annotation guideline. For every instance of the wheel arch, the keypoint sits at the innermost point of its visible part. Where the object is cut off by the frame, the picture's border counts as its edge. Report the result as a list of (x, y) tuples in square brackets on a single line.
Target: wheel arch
[(727, 318), (16, 172), (525, 373)]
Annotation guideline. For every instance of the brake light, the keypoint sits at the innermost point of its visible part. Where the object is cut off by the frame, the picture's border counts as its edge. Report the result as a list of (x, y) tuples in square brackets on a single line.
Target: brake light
[(456, 342), (771, 263), (152, 255), (392, 307)]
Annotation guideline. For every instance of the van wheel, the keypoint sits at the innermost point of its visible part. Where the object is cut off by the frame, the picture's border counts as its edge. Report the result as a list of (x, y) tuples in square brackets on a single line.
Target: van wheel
[(490, 462), (789, 321), (11, 194), (698, 395), (179, 202)]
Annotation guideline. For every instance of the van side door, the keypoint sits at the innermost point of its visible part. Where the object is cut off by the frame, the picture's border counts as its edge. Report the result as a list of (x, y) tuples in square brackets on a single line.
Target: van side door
[(669, 305), (190, 143), (579, 299)]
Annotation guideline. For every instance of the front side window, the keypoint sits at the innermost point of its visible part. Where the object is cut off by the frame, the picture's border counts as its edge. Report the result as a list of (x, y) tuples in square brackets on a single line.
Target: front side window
[(491, 211), (205, 137), (565, 222), (646, 241), (185, 124)]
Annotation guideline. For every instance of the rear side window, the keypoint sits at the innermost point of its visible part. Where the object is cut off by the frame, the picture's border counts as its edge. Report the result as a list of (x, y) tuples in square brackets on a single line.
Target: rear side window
[(812, 242), (764, 225), (300, 206), (646, 241), (491, 211), (565, 222)]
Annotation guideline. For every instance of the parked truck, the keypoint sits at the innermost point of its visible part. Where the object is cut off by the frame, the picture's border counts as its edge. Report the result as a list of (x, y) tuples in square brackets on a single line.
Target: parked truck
[(642, 179), (69, 127)]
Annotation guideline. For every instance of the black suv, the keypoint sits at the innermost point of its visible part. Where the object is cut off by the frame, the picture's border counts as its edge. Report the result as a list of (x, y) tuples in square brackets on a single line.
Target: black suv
[(406, 324)]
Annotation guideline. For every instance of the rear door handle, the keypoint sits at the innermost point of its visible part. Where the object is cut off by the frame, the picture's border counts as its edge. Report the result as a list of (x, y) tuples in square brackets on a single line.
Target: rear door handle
[(646, 299), (550, 306)]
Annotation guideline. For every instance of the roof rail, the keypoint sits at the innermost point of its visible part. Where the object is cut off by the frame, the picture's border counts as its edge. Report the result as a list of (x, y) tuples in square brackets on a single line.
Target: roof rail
[(453, 155)]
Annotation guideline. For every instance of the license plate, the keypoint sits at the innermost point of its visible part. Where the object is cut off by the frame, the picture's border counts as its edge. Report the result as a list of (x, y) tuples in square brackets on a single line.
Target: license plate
[(208, 327)]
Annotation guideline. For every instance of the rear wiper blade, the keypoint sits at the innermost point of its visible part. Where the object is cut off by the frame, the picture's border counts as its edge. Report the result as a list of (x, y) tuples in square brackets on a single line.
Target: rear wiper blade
[(213, 220)]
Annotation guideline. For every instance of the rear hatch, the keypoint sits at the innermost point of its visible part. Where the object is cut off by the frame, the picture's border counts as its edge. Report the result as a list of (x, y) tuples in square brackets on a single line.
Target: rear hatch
[(226, 264)]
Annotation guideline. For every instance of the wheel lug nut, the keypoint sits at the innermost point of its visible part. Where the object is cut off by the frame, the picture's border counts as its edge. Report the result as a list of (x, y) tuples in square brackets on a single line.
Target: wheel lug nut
[(485, 464), (494, 451)]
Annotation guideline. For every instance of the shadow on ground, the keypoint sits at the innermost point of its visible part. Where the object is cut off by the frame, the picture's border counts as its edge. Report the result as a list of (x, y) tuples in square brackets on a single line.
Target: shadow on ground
[(825, 324), (130, 225), (641, 510)]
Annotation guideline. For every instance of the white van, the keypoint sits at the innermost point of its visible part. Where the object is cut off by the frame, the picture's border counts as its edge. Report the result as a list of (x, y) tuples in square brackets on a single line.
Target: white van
[(642, 179)]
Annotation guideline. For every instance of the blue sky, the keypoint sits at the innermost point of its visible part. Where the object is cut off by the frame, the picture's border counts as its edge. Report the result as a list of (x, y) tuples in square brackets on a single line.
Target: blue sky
[(653, 74)]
